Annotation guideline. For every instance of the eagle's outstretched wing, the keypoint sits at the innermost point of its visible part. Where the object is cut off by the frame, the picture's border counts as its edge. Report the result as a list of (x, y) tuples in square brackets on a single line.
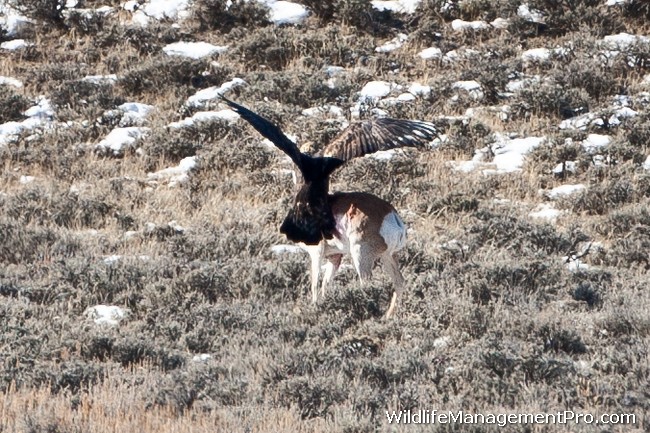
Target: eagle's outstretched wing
[(383, 133), (268, 130)]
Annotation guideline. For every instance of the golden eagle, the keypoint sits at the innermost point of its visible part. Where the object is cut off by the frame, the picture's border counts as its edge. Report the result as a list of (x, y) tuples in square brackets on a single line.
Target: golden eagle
[(311, 220)]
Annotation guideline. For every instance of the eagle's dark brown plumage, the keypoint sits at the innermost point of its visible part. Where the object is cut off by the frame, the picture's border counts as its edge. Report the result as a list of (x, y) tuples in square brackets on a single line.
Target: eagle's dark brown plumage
[(311, 220)]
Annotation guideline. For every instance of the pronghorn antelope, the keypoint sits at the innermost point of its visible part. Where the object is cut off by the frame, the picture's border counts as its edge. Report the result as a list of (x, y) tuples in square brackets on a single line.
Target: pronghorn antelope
[(368, 229), (330, 226), (311, 219)]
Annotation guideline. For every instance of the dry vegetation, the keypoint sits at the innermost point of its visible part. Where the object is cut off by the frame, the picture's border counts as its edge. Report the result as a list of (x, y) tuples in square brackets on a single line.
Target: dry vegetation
[(492, 319)]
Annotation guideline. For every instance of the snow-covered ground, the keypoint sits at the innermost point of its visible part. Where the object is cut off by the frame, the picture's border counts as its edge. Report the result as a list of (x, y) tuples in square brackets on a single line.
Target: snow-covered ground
[(109, 315), (193, 50), (175, 175)]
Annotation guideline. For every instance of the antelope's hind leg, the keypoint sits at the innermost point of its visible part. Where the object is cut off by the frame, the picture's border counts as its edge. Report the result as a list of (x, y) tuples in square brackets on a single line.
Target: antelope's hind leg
[(391, 267), (332, 264)]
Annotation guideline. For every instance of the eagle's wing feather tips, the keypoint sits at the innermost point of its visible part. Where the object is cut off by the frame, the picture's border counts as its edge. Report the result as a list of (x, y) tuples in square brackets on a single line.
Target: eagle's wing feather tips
[(384, 133), (268, 130)]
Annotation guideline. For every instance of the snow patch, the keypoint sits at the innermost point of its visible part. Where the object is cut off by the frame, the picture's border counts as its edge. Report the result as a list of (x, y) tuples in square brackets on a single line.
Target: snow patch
[(500, 23), (536, 54), (509, 153), (400, 6), (9, 81), (285, 12), (176, 175), (393, 44), (530, 15), (203, 357), (567, 166), (11, 20), (15, 44), (595, 142), (40, 115), (286, 249), (212, 93), (472, 87), (226, 115), (376, 89), (193, 50), (623, 41), (110, 315), (327, 109), (385, 155), (121, 138), (101, 79), (521, 83), (418, 89), (545, 211), (166, 9), (460, 25), (430, 53), (564, 190)]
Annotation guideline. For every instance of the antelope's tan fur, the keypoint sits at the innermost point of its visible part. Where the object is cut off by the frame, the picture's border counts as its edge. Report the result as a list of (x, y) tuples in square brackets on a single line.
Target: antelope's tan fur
[(369, 229)]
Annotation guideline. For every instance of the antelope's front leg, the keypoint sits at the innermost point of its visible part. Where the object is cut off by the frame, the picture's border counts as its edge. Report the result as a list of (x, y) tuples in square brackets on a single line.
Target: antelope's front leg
[(316, 254)]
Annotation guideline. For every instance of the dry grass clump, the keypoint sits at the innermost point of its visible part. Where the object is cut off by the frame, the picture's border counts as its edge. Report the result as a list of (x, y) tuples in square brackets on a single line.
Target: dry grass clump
[(169, 75), (12, 105), (358, 14), (222, 17), (563, 17)]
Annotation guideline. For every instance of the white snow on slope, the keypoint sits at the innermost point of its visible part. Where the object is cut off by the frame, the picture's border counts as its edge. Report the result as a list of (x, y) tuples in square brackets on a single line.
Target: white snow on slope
[(393, 44), (121, 138), (213, 93), (15, 44), (401, 6), (40, 115), (11, 20), (327, 109), (10, 81), (193, 50), (101, 79), (376, 89), (166, 9), (418, 89), (286, 249), (536, 54), (176, 175), (530, 15), (567, 166), (285, 12), (460, 25), (596, 141), (624, 40), (110, 315), (546, 211), (134, 113), (508, 154), (521, 83), (500, 23), (206, 116), (430, 53), (472, 87), (564, 190)]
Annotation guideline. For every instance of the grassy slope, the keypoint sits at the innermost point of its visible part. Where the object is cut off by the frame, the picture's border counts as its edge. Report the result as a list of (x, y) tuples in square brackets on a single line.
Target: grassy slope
[(500, 326)]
